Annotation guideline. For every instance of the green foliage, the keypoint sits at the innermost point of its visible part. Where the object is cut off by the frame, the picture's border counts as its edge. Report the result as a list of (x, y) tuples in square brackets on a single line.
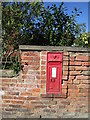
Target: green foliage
[(33, 24), (83, 40)]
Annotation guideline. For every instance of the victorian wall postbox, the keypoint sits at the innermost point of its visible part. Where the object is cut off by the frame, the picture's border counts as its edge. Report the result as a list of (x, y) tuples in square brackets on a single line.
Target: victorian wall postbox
[(54, 72)]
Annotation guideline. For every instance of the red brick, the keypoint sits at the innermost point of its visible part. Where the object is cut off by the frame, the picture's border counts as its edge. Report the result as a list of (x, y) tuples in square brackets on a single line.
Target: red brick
[(86, 63), (43, 72), (37, 67), (33, 98), (34, 62), (65, 73), (36, 90), (28, 53), (43, 52), (38, 77), (71, 67), (46, 95), (43, 57), (43, 67), (65, 58), (72, 86), (64, 77), (82, 77), (65, 62), (43, 86), (17, 102), (65, 68), (75, 63), (81, 68), (82, 58), (36, 58), (85, 81), (83, 86), (25, 94), (71, 77), (75, 81), (70, 81), (12, 93), (20, 98), (10, 109), (43, 77), (66, 53), (72, 58), (83, 90), (7, 97), (64, 86), (40, 106), (27, 58), (43, 62), (75, 73), (64, 91), (65, 82), (43, 81), (6, 80)]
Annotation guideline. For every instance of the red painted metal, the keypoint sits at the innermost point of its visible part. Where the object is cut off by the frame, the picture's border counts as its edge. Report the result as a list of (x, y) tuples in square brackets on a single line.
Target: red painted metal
[(54, 72)]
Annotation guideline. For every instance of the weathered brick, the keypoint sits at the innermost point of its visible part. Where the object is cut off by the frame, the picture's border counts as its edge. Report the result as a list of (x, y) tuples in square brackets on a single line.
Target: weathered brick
[(7, 97), (43, 72), (66, 53), (86, 63), (43, 62), (74, 63), (71, 68), (26, 58), (65, 58), (65, 68), (32, 98), (75, 73), (81, 68), (64, 77), (65, 102), (76, 81), (64, 91), (43, 57), (65, 73), (40, 106), (43, 77), (36, 90), (82, 58), (27, 92), (43, 67), (72, 86), (82, 77), (6, 80), (65, 62)]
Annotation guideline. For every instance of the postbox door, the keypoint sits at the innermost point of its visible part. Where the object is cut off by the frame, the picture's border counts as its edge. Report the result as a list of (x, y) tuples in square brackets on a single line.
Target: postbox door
[(53, 79), (54, 72)]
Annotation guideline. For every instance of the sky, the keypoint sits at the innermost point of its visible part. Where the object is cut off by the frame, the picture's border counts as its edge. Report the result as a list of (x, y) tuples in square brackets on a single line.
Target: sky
[(82, 6)]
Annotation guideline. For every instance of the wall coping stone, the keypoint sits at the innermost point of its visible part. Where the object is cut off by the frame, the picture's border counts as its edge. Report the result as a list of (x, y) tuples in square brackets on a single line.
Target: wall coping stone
[(53, 48), (6, 73)]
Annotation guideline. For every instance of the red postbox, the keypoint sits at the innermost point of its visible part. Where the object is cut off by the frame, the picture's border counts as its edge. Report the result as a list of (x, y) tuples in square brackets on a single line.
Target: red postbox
[(54, 72)]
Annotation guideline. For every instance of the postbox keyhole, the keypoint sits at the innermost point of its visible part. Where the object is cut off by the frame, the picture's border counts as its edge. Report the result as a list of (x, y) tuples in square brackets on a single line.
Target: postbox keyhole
[(52, 80)]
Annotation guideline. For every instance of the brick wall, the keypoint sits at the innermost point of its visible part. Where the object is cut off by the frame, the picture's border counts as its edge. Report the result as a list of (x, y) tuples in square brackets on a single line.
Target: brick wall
[(25, 95)]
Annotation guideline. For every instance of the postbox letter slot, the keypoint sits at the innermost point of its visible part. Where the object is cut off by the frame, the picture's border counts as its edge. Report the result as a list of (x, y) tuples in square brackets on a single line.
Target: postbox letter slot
[(53, 72)]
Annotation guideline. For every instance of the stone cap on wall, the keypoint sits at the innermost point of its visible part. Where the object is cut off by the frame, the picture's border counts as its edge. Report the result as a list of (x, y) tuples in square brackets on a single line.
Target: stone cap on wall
[(53, 48), (6, 73)]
